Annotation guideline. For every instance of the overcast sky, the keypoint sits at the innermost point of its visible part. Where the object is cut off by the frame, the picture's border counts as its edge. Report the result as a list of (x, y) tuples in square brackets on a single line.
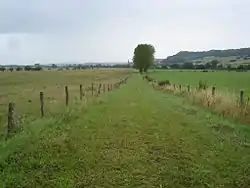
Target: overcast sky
[(108, 30)]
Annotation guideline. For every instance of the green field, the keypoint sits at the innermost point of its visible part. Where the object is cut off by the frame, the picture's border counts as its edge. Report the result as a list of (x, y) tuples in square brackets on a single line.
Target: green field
[(23, 88), (134, 136), (222, 80)]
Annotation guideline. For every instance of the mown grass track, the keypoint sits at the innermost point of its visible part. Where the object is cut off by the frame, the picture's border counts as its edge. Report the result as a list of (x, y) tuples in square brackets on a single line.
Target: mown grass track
[(132, 137)]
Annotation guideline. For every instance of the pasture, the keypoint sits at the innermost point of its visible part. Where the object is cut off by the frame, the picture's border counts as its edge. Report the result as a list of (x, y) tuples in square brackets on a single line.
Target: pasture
[(135, 136), (223, 80), (23, 88)]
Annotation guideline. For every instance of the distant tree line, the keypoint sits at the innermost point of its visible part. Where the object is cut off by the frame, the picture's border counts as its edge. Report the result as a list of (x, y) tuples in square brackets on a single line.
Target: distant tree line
[(20, 68), (38, 67), (212, 65)]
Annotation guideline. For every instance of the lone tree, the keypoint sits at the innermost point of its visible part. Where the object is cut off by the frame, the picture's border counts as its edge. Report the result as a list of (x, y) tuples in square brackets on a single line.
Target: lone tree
[(143, 57)]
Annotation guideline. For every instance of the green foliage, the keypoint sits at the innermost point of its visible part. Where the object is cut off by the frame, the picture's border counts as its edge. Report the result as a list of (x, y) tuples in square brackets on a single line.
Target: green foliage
[(2, 69), (214, 63), (150, 79), (19, 69), (143, 57), (188, 65), (163, 82), (54, 66)]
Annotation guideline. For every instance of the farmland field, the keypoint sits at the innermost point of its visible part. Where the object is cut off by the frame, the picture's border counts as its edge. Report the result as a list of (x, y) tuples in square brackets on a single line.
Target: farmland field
[(23, 88), (134, 136), (222, 80)]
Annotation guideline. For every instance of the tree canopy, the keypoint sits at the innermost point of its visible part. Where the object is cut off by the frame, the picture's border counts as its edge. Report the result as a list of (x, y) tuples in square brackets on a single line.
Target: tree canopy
[(143, 57)]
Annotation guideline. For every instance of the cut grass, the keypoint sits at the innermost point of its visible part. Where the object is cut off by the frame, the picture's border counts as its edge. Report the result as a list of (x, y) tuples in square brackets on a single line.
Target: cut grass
[(133, 137)]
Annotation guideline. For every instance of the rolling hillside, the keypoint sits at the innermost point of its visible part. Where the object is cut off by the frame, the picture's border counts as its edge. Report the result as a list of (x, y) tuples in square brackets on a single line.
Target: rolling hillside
[(242, 54)]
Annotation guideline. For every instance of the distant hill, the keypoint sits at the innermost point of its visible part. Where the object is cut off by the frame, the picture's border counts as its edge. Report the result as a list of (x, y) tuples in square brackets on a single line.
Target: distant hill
[(158, 61), (186, 56)]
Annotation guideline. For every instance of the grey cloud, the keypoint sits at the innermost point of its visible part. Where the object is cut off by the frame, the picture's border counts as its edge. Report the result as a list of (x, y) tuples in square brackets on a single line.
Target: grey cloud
[(38, 16), (29, 16)]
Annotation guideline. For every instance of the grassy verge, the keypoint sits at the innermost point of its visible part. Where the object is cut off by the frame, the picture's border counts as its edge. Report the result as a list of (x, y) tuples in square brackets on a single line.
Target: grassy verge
[(133, 137), (232, 82), (225, 103)]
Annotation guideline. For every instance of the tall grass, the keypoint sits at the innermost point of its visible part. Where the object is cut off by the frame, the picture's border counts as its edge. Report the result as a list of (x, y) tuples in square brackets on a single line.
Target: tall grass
[(223, 102)]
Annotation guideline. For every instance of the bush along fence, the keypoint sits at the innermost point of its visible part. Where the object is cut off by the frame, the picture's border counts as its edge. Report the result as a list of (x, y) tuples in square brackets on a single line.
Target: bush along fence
[(12, 124), (225, 103)]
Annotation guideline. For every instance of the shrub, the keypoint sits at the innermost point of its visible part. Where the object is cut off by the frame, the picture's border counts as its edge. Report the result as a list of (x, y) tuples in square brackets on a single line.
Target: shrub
[(203, 85), (164, 82), (19, 69), (148, 78), (2, 69), (204, 71), (27, 68)]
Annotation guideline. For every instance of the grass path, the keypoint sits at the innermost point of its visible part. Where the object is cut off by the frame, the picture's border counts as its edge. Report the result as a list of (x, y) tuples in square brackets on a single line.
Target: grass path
[(135, 137)]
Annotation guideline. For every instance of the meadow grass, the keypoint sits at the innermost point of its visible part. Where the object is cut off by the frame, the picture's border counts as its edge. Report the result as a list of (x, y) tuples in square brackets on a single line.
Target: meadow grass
[(225, 103), (23, 88), (223, 80), (131, 137), (228, 86)]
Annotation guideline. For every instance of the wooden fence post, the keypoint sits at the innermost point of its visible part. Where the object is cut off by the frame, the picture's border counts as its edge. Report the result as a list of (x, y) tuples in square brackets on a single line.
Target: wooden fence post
[(153, 85), (41, 104), (99, 89), (241, 97), (108, 88), (103, 88), (67, 95), (213, 91), (11, 121), (92, 89), (81, 92)]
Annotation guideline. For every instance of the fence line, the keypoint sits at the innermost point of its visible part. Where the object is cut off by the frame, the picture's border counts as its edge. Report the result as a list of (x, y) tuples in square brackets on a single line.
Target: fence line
[(225, 103), (81, 93), (41, 104), (11, 124)]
